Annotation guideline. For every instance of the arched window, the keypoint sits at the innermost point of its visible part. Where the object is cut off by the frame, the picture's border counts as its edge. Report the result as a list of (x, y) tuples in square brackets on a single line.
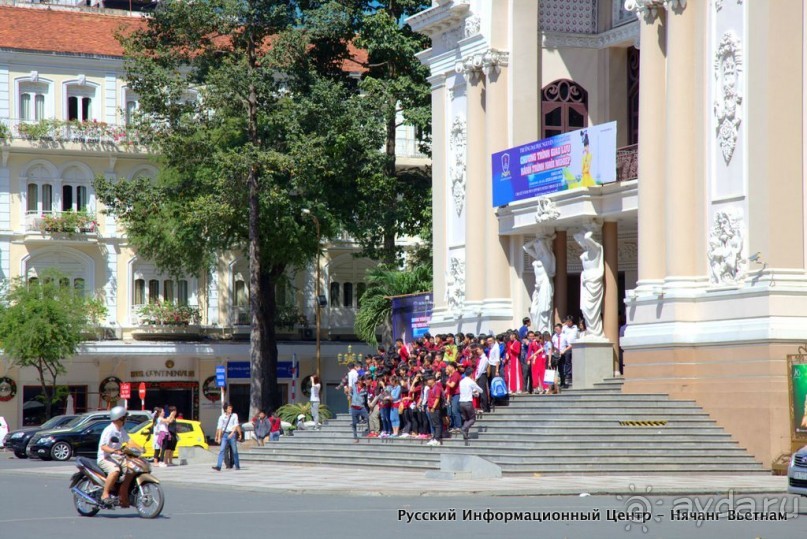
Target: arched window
[(182, 292), (168, 291), (78, 285), (564, 107), (360, 289), (334, 294), (139, 292), (347, 297), (154, 291)]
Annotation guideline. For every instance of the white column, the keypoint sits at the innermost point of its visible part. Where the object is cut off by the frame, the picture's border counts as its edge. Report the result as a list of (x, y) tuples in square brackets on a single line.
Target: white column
[(111, 98), (213, 297), (111, 284)]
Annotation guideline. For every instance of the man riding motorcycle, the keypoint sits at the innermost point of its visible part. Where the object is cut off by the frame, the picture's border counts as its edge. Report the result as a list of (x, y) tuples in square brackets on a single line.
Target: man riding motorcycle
[(110, 456)]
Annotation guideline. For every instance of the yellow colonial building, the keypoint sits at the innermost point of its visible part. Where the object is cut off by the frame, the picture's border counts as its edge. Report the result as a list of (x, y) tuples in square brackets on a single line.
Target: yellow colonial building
[(64, 120)]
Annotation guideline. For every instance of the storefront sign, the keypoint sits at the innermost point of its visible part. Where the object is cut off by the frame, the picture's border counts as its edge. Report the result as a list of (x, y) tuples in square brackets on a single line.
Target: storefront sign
[(210, 390), (176, 368), (239, 370), (582, 158), (110, 389), (797, 382), (8, 389)]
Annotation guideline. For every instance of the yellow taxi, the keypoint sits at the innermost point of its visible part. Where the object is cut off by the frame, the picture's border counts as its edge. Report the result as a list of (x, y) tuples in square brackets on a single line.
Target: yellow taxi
[(190, 434)]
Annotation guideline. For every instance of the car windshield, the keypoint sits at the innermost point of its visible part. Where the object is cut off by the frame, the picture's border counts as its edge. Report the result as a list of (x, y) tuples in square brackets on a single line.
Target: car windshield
[(137, 426), (52, 422), (73, 422)]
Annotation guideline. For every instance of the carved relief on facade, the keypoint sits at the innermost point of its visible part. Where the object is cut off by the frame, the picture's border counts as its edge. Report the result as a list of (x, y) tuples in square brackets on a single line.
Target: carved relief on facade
[(473, 25), (455, 285), (457, 145), (728, 99), (546, 210), (725, 252)]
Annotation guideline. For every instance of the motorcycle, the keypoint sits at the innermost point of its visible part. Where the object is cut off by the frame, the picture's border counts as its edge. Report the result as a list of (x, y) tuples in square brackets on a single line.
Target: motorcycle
[(145, 492)]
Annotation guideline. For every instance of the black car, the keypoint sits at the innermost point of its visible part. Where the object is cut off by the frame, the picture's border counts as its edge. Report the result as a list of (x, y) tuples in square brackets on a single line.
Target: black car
[(17, 440), (61, 444)]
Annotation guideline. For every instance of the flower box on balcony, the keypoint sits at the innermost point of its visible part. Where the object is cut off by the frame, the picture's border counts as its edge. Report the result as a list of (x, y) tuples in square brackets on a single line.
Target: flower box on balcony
[(68, 223)]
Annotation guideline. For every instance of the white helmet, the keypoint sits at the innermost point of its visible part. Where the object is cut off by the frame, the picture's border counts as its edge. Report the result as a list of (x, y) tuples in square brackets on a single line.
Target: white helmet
[(117, 412)]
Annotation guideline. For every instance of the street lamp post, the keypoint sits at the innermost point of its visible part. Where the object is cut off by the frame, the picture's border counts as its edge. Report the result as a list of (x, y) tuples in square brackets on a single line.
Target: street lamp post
[(317, 292)]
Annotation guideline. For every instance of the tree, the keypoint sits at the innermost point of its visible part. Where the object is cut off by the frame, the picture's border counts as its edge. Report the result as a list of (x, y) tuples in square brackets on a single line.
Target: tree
[(273, 131), (376, 304), (393, 201), (42, 322)]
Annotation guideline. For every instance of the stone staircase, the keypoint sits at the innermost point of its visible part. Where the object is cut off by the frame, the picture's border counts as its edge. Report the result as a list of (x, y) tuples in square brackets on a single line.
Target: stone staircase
[(598, 431)]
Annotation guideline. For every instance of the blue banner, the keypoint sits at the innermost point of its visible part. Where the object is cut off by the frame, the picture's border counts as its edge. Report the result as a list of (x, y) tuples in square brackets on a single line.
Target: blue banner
[(582, 158), (411, 316), (221, 374), (241, 370)]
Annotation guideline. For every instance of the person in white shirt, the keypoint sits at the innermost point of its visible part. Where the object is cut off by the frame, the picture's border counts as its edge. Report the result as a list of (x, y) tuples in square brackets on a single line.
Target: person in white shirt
[(481, 376), (228, 430), (562, 344), (110, 455), (494, 356), (468, 388), (315, 387)]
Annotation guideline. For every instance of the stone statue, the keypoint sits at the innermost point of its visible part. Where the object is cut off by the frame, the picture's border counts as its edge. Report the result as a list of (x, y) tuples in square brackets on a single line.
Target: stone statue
[(592, 288), (540, 249), (725, 249)]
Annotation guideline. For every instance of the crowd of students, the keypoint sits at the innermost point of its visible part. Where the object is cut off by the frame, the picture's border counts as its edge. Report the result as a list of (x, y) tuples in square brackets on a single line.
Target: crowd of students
[(437, 385)]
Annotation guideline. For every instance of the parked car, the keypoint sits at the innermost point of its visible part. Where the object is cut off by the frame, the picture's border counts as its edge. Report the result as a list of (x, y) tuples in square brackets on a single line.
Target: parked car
[(17, 440), (3, 431), (797, 473), (134, 415), (189, 432), (63, 444)]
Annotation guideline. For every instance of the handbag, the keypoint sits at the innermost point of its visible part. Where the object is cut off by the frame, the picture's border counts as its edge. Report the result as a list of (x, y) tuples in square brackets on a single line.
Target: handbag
[(549, 376)]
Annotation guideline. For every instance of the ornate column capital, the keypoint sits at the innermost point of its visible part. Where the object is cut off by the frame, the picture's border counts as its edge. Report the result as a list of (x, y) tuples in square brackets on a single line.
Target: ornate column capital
[(481, 64), (647, 9)]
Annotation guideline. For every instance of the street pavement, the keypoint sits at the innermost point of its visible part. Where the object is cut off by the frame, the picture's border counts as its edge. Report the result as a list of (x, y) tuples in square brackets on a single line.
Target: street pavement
[(285, 501)]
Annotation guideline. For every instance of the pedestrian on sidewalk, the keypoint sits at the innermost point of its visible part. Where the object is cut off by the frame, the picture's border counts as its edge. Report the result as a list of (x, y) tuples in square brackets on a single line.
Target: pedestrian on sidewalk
[(262, 426), (228, 431), (171, 437), (468, 389), (275, 427), (358, 409), (316, 385)]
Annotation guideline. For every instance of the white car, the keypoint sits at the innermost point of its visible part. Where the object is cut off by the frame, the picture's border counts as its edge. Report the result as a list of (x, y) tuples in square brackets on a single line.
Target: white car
[(797, 473), (3, 429)]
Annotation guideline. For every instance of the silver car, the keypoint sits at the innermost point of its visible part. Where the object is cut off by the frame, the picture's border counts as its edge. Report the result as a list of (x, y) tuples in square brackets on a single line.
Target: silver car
[(797, 473)]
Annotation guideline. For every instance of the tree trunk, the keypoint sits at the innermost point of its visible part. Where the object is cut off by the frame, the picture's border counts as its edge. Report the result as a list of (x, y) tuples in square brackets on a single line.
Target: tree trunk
[(48, 395), (258, 330), (389, 252), (271, 396)]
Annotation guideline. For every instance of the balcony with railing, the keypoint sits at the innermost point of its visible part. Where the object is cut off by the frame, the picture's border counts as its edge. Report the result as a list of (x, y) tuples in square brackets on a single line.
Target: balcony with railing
[(73, 134), (69, 225), (165, 320), (627, 163)]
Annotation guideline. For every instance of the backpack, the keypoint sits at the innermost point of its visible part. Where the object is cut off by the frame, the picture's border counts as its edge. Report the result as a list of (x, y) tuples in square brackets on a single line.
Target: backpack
[(498, 389)]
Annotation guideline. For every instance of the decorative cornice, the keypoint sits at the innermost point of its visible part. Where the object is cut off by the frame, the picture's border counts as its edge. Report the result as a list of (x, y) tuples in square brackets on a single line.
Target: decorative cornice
[(615, 36), (439, 18)]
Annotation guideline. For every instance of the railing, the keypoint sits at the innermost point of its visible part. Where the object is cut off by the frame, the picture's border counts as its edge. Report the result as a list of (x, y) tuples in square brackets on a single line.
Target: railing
[(408, 147), (339, 317), (61, 223), (627, 163), (164, 315), (52, 130), (239, 316)]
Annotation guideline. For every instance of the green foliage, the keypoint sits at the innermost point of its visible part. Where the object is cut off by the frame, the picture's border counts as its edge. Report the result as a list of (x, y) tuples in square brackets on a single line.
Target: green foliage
[(289, 412), (42, 322), (168, 313), (382, 284)]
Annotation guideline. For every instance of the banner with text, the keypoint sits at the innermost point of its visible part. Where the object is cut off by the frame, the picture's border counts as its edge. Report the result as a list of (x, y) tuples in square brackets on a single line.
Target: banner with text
[(411, 316), (582, 158)]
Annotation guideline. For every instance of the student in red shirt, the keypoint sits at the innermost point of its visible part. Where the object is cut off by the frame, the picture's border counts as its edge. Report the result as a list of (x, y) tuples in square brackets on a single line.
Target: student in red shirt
[(434, 404), (453, 396), (274, 428)]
